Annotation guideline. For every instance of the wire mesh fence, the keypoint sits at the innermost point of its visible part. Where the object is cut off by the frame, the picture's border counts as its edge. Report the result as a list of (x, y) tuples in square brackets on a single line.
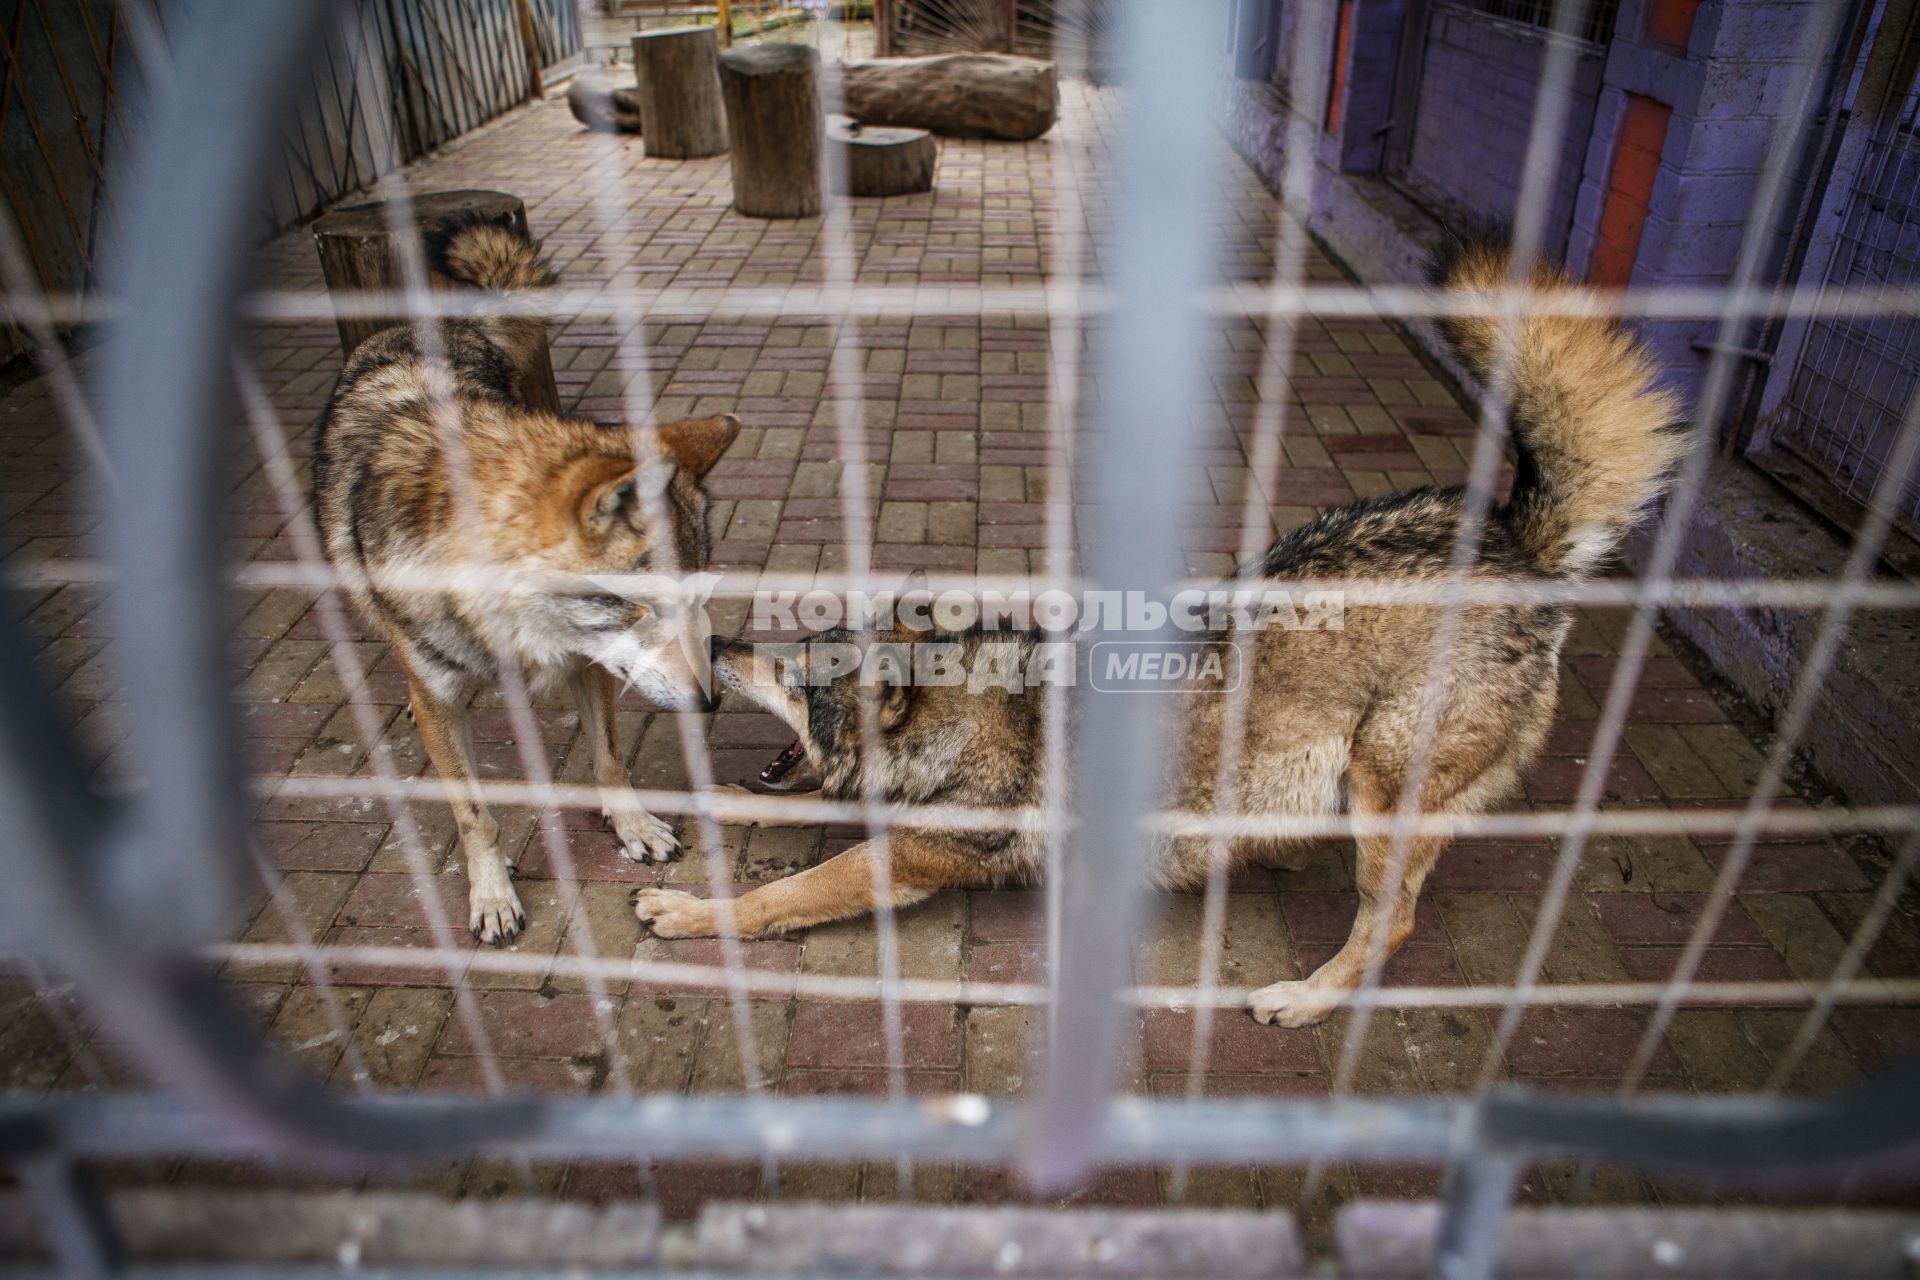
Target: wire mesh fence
[(1108, 364), (79, 81), (434, 71), (1852, 383)]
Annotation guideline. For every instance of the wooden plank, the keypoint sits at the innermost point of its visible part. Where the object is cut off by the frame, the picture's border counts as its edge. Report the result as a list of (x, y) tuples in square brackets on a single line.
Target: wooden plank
[(530, 38)]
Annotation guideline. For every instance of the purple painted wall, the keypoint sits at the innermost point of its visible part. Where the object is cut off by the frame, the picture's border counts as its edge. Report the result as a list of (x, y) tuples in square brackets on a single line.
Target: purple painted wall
[(1479, 79), (1730, 90), (1467, 127)]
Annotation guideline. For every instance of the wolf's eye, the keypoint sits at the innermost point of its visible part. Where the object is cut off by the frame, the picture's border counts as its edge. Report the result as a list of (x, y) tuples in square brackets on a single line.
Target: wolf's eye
[(603, 610)]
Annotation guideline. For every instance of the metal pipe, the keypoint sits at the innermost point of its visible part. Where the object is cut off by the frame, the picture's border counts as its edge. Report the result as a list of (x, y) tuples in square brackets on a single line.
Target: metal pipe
[(116, 896), (1734, 1134), (1150, 378)]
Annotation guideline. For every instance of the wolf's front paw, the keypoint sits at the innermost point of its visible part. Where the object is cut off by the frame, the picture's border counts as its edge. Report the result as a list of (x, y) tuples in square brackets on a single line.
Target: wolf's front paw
[(1294, 1004), (674, 914), (643, 837), (494, 914)]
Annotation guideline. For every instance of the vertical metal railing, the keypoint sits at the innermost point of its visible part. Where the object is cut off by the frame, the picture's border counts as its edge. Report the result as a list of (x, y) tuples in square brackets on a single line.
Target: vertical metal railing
[(1844, 404)]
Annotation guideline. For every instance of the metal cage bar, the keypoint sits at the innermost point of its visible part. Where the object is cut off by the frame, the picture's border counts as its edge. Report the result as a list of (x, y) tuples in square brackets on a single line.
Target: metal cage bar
[(123, 894)]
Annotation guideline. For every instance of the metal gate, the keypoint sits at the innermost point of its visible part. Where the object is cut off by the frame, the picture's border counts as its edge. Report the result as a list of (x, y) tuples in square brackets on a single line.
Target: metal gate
[(120, 892), (1466, 98), (1856, 375)]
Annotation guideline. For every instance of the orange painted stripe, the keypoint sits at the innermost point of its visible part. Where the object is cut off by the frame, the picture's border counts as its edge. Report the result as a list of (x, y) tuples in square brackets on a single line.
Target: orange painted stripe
[(1636, 164), (1337, 82), (1670, 22)]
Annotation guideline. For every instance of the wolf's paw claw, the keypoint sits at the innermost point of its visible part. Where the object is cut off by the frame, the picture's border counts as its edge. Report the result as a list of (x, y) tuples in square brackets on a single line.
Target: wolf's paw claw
[(673, 914), (1294, 1004), (643, 837), (495, 918)]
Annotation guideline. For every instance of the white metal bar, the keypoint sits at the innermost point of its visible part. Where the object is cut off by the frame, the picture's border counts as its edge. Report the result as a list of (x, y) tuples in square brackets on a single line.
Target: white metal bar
[(858, 510), (745, 807), (1065, 267), (1290, 252), (944, 991), (1150, 375), (1359, 301), (1815, 39), (1683, 593)]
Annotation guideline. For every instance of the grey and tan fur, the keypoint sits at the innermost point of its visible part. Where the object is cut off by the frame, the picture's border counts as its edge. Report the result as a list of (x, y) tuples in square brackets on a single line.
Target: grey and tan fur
[(1332, 713), (468, 527)]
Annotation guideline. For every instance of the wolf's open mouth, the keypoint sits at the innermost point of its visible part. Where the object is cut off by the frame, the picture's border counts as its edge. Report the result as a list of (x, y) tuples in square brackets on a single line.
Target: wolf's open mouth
[(783, 764)]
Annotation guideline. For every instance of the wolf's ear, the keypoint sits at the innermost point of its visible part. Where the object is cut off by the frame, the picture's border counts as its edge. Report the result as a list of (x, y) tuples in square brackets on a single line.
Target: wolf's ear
[(896, 706), (602, 488), (697, 443)]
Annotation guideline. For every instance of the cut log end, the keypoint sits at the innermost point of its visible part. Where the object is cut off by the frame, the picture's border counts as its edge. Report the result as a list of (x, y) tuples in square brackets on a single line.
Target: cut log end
[(681, 113), (774, 127), (880, 160)]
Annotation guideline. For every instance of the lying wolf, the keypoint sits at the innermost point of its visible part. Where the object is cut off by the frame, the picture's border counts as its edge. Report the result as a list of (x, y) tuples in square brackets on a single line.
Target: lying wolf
[(1331, 712), (429, 461)]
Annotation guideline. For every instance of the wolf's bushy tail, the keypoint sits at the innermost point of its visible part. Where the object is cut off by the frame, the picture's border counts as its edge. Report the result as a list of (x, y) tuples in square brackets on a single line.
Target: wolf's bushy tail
[(1596, 440), (486, 255)]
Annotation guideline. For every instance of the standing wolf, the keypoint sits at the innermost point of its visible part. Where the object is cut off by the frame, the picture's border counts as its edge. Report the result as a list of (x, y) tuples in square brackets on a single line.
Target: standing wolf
[(1330, 712), (468, 527)]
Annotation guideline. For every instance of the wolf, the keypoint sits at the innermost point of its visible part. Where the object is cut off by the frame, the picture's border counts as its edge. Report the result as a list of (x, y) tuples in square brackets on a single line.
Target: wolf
[(429, 462), (1332, 714)]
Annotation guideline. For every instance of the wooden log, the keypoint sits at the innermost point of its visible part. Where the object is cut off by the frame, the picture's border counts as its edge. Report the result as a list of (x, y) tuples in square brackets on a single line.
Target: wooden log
[(956, 95), (878, 160), (774, 125), (604, 100), (680, 108), (356, 248)]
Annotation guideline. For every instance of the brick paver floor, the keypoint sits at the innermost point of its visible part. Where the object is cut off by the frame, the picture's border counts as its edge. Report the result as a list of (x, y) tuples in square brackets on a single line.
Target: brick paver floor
[(955, 410)]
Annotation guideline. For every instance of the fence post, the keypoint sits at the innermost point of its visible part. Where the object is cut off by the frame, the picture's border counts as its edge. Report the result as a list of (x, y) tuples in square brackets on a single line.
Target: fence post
[(530, 36), (723, 14), (1477, 1199)]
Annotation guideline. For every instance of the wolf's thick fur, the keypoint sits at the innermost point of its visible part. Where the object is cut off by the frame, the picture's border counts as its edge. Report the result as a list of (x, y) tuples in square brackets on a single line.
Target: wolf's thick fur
[(1590, 429), (1330, 712), (428, 462)]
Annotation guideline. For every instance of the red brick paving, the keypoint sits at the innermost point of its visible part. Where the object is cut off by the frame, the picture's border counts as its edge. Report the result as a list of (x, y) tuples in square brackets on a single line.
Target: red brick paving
[(955, 416)]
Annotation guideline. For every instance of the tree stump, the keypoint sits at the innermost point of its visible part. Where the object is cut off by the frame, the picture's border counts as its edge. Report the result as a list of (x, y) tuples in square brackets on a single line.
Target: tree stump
[(876, 160), (680, 111), (774, 123), (357, 252), (956, 95), (604, 100)]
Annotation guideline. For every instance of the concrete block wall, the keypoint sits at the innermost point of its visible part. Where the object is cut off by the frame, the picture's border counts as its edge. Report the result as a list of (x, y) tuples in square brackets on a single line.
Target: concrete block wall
[(1478, 86), (1730, 90)]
